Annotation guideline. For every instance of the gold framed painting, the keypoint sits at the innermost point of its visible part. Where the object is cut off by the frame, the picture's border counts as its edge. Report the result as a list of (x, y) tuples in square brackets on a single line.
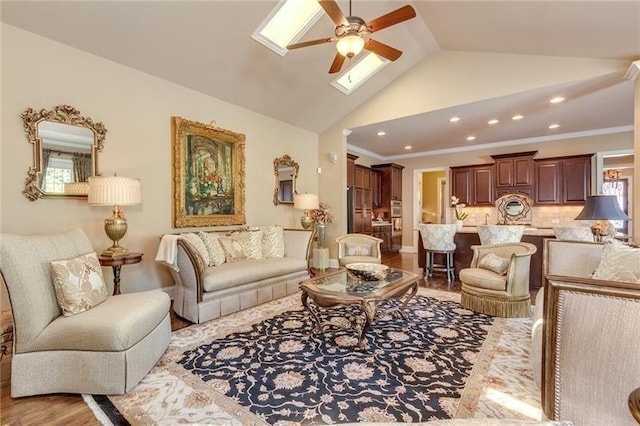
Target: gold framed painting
[(208, 175)]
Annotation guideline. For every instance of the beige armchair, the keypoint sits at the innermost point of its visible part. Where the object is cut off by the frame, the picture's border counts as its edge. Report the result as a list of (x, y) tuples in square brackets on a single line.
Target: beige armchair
[(497, 281), (107, 349), (587, 338), (356, 248)]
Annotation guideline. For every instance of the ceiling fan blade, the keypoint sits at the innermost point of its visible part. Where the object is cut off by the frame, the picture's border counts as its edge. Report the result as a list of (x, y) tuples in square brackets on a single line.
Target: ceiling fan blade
[(333, 10), (310, 43), (336, 66), (391, 18), (383, 50)]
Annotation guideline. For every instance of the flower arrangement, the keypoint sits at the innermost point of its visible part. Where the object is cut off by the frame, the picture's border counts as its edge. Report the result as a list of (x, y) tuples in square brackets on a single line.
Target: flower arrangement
[(459, 208), (322, 214)]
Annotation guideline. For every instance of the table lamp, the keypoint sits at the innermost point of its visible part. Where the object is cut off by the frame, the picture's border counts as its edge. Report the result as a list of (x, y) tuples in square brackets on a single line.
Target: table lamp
[(114, 191), (601, 208), (306, 202)]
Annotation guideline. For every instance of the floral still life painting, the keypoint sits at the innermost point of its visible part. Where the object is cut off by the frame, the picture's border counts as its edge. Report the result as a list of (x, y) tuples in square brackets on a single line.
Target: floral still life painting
[(208, 175)]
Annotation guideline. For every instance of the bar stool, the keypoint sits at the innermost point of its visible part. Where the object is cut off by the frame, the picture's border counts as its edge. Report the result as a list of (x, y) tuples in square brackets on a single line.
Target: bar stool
[(438, 239)]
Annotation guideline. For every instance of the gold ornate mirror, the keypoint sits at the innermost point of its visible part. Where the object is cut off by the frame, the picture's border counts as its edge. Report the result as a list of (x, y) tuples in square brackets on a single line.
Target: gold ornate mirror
[(65, 152), (286, 173)]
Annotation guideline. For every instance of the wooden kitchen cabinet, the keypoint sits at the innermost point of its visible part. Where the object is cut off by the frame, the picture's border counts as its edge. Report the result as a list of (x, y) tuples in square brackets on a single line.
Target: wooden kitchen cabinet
[(376, 188), (351, 169), (563, 180), (391, 182), (473, 185), (514, 174), (384, 233)]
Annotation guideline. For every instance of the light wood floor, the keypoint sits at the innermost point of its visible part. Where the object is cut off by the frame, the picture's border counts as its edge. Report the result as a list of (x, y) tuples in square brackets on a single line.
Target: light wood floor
[(70, 409)]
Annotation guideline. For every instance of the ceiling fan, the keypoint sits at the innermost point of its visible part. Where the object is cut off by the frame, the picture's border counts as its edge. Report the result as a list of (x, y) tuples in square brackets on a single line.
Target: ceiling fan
[(352, 34)]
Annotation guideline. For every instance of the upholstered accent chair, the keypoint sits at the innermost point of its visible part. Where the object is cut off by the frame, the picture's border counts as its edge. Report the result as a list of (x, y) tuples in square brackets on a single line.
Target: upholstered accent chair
[(106, 349), (358, 248), (573, 233), (497, 281), (438, 239), (497, 234)]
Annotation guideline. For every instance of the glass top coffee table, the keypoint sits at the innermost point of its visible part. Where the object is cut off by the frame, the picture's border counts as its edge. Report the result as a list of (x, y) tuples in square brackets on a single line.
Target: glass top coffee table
[(338, 288)]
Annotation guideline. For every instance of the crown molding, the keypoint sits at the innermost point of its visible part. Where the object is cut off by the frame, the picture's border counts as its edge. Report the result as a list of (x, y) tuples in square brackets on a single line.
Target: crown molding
[(633, 71)]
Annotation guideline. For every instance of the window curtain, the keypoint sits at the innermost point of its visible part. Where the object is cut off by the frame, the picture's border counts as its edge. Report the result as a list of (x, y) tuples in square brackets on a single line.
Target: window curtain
[(46, 154), (81, 167)]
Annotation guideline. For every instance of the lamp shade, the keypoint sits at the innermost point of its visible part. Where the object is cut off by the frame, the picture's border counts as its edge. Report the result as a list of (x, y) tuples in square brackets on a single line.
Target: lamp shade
[(114, 190), (350, 45), (602, 207), (306, 202)]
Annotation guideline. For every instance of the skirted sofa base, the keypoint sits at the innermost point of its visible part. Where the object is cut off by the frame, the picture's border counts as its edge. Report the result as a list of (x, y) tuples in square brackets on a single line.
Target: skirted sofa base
[(204, 293)]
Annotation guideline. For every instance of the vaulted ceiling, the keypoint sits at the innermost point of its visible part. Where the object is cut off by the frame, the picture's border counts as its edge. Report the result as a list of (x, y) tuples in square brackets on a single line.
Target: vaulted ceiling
[(207, 46)]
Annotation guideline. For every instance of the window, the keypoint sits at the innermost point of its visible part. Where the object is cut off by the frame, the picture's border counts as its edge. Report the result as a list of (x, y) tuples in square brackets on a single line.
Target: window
[(619, 188), (59, 171)]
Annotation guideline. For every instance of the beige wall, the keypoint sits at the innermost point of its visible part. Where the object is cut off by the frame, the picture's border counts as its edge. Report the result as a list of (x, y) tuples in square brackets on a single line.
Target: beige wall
[(136, 109)]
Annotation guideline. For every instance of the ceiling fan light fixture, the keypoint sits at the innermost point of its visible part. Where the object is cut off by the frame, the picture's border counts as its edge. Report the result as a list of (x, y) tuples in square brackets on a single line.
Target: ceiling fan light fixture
[(350, 45)]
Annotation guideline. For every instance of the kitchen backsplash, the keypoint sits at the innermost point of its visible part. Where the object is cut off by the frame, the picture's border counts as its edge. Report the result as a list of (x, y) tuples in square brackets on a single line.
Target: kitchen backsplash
[(541, 217)]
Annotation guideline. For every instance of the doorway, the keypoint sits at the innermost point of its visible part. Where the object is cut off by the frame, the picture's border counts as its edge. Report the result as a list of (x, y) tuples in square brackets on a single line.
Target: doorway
[(433, 197)]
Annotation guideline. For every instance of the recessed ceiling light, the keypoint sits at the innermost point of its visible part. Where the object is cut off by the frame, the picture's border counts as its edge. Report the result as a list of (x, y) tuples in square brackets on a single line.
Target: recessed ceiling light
[(556, 100), (471, 138), (454, 119), (408, 147), (517, 117), (493, 121), (554, 126), (381, 133), (288, 21)]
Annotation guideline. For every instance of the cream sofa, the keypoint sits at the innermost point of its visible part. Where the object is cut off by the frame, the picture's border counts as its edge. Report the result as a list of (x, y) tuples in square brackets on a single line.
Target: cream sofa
[(203, 293), (586, 338)]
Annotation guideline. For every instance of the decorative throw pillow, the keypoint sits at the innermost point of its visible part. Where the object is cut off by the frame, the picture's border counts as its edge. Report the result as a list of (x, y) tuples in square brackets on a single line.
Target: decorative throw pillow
[(78, 283), (495, 263), (198, 245), (619, 262), (358, 249), (216, 253), (272, 240), (251, 242), (232, 249)]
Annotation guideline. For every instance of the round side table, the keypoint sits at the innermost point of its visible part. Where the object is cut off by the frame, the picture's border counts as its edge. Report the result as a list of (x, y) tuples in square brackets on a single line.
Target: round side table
[(116, 263)]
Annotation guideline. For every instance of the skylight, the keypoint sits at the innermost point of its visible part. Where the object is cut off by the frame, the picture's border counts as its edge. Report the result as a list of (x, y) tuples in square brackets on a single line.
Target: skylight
[(359, 73), (288, 21)]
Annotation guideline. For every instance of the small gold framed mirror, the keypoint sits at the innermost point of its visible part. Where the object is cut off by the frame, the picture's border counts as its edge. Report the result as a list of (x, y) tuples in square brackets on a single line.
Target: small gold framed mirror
[(65, 152), (286, 174)]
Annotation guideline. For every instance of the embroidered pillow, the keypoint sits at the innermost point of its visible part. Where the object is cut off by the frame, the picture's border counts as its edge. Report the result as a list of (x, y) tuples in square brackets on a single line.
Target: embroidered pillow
[(619, 262), (495, 263), (214, 249), (272, 240), (358, 249), (251, 242), (232, 249), (198, 245), (78, 283)]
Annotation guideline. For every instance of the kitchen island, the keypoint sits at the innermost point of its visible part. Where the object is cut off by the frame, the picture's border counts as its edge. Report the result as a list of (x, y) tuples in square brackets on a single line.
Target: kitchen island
[(468, 236)]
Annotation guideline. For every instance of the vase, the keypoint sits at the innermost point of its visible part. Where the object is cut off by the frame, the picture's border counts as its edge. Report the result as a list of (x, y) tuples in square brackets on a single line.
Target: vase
[(321, 229), (459, 224)]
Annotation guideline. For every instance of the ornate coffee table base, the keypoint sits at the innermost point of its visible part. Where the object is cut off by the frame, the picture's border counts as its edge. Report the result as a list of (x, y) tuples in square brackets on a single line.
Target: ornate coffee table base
[(368, 307)]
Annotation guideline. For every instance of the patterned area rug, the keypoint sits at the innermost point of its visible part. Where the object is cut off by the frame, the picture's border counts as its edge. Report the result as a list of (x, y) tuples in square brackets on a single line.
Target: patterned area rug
[(265, 366)]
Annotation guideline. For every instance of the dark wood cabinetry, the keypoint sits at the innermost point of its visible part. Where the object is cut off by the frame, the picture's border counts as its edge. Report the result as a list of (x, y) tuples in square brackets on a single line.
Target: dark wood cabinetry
[(384, 233), (473, 185), (362, 200), (514, 173), (351, 169), (376, 188), (390, 182), (563, 181)]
